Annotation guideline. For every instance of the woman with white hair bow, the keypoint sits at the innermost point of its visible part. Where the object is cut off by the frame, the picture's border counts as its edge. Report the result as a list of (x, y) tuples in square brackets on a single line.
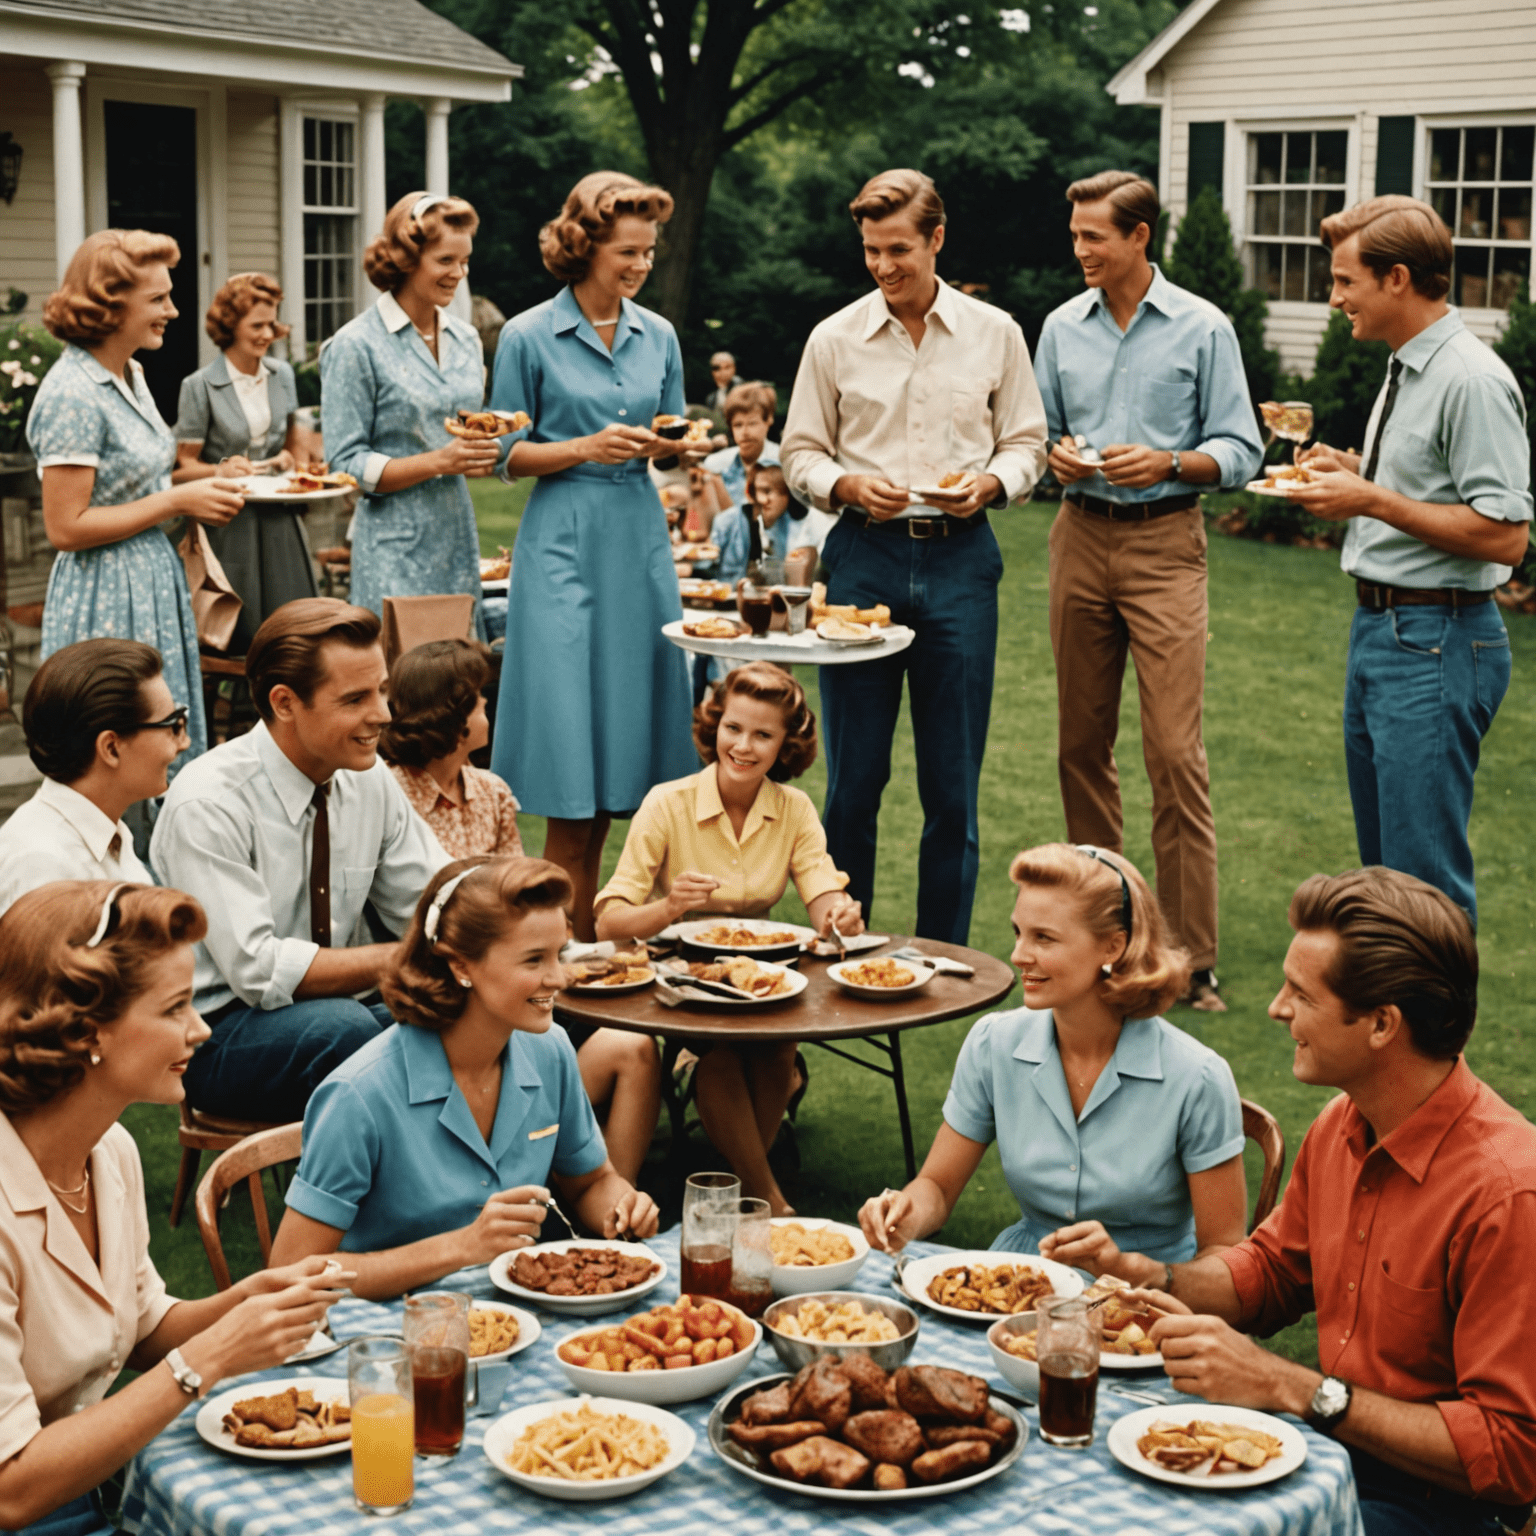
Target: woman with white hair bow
[(390, 378)]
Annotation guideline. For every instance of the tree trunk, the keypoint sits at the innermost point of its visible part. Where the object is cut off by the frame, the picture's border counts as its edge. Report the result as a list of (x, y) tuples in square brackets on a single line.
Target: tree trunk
[(685, 168)]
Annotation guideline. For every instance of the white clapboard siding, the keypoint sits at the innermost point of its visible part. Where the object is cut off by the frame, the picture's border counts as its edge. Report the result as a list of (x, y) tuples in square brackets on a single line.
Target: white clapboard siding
[(252, 184), (26, 227)]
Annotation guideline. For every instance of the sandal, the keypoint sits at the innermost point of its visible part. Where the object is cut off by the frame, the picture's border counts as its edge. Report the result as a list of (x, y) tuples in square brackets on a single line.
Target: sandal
[(1204, 993)]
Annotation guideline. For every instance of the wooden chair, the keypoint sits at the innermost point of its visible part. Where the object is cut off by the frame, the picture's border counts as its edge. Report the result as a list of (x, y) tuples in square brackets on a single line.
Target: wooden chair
[(199, 1133), (227, 703), (1261, 1126), (245, 1160)]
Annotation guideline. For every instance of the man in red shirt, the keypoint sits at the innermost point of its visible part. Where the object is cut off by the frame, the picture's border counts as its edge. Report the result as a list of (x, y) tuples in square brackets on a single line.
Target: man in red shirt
[(1409, 1226)]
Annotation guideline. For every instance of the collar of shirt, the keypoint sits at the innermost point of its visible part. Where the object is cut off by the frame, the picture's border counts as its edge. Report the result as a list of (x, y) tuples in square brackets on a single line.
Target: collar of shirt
[(1413, 1144), (707, 804), (96, 829), (569, 316), (1416, 353), (1138, 1053), (942, 309), (395, 319), (426, 794), (221, 372), (295, 789), (132, 388), (1161, 295)]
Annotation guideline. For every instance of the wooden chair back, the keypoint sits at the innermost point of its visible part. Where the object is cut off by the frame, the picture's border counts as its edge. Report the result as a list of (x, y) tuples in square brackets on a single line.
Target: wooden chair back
[(1261, 1126), (199, 1133), (245, 1160)]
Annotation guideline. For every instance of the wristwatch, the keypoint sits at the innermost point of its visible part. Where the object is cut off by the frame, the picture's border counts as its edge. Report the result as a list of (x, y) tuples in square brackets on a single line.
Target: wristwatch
[(1329, 1404), (1176, 468), (186, 1378)]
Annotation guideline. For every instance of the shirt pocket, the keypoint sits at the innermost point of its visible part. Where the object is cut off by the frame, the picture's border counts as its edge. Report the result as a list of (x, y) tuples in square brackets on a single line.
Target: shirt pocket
[(1412, 1329), (1170, 404), (970, 425)]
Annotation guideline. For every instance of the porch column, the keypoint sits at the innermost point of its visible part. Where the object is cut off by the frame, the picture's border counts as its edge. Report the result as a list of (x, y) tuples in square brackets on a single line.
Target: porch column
[(437, 110), (371, 204), (68, 161)]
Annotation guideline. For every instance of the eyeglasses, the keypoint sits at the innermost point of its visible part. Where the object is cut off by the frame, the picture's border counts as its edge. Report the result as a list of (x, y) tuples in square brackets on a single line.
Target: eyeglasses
[(1088, 851), (175, 722)]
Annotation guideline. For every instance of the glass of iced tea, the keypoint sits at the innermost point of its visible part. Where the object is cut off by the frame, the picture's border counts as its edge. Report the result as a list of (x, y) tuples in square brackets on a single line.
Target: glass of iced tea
[(437, 1335), (1067, 1339), (709, 1220), (383, 1425), (751, 1258), (755, 604)]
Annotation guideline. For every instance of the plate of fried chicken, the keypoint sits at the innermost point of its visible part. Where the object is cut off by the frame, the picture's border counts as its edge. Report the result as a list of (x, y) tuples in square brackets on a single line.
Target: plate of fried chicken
[(296, 1419)]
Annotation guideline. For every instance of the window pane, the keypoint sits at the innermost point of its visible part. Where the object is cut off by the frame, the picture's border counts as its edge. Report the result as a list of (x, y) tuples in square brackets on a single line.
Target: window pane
[(345, 133), (1511, 271), (1266, 212), (1480, 160), (1471, 277), (1319, 275), (1295, 284), (1323, 204), (1444, 152), (1266, 269), (1298, 159), (310, 129), (1266, 158), (1331, 149), (311, 184), (1516, 160), (1476, 213), (1514, 215), (1443, 200), (1293, 215)]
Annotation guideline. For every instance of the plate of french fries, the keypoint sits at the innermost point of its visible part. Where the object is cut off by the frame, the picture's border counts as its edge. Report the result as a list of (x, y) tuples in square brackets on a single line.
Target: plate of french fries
[(498, 1330), (1207, 1445), (296, 1419), (587, 1448), (810, 1254)]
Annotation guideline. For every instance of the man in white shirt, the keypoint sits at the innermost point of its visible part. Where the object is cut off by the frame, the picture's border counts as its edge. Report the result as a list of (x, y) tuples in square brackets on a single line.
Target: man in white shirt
[(914, 382), (283, 835), (103, 729)]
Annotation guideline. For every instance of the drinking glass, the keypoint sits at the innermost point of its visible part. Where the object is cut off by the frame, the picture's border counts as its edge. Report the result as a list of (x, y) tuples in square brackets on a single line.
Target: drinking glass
[(437, 1335), (751, 1258), (755, 604), (1067, 1340), (796, 602), (383, 1425), (708, 1227)]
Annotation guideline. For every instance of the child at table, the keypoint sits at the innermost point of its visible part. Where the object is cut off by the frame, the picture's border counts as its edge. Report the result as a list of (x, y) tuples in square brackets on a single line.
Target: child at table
[(729, 839)]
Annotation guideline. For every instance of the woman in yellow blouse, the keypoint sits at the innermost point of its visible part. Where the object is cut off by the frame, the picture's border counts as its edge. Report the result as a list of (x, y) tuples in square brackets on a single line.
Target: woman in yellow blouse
[(728, 840)]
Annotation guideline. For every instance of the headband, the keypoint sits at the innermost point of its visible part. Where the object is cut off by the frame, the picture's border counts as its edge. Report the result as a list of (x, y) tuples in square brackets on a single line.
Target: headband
[(425, 201), (444, 895), (105, 922), (1088, 851)]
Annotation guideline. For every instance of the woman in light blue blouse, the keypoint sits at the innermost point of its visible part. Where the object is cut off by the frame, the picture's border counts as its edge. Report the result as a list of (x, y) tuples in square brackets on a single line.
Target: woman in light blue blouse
[(389, 379), (1120, 1136), (105, 457), (595, 705)]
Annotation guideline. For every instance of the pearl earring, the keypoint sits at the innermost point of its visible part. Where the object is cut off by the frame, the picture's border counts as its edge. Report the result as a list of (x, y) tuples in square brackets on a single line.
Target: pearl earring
[(95, 1058), (465, 982), (1106, 971)]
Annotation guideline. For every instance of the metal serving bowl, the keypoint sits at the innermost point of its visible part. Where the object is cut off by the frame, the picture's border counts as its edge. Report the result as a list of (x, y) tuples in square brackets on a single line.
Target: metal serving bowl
[(798, 1353)]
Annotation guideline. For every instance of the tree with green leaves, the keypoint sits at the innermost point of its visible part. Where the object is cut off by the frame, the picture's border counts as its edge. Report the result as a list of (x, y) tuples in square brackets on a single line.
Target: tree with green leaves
[(1346, 378)]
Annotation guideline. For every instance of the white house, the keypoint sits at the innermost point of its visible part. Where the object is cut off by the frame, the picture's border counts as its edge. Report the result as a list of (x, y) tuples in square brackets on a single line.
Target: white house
[(1294, 108), (251, 130)]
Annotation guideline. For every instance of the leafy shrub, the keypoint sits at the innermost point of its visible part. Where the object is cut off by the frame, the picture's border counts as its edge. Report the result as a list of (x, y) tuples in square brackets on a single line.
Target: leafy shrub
[(1346, 379), (27, 352)]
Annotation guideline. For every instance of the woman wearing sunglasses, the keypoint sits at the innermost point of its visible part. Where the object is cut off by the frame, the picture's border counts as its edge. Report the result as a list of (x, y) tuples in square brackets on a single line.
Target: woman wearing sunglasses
[(103, 729)]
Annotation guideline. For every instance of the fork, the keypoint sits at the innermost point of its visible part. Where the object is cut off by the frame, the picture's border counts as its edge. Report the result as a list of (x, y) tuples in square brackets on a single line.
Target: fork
[(554, 1205), (837, 935)]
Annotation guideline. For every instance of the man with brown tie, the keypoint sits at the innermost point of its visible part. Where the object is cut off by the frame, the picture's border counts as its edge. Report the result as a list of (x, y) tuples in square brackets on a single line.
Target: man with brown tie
[(283, 834)]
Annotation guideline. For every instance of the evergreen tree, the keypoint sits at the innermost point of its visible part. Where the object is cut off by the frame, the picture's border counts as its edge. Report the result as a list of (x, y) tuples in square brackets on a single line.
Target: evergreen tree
[(1344, 384), (1517, 346)]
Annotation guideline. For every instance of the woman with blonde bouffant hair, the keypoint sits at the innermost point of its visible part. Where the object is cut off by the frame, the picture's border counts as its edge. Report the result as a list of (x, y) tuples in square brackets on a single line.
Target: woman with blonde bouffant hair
[(105, 457), (391, 381), (1121, 1137), (96, 1014), (595, 701)]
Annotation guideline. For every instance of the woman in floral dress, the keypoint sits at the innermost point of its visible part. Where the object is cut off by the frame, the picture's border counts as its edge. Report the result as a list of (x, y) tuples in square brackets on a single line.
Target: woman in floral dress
[(105, 458)]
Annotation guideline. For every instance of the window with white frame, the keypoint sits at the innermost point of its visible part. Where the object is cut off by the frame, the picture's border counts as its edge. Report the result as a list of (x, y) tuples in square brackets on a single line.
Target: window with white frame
[(1479, 181), (1295, 180), (330, 226)]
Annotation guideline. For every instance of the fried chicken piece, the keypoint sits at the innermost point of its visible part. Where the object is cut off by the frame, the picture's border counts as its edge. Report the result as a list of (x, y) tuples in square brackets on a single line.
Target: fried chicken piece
[(564, 1286), (825, 1394), (279, 1412), (934, 1392), (775, 1406), (958, 1460), (889, 1479), (262, 1438), (885, 1434), (821, 1460), (774, 1437), (868, 1381)]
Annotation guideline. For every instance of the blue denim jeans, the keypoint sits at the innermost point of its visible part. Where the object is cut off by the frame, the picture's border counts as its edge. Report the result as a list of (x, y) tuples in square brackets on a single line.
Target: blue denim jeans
[(80, 1517), (262, 1064), (946, 589), (1422, 688), (1394, 1503)]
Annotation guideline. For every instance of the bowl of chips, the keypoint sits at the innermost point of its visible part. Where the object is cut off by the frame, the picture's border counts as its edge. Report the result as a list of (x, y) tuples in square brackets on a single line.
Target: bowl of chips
[(811, 1255), (587, 1449), (1017, 1366), (804, 1328)]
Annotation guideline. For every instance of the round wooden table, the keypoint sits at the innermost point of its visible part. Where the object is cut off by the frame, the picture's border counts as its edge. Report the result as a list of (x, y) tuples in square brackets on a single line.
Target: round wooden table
[(822, 1015)]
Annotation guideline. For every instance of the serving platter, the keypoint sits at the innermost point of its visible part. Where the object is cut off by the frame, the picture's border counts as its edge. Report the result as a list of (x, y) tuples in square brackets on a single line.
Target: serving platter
[(789, 650), (1125, 1432)]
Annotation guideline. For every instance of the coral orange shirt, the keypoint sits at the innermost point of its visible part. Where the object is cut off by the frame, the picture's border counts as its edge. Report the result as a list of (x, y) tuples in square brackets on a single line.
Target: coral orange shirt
[(1417, 1255)]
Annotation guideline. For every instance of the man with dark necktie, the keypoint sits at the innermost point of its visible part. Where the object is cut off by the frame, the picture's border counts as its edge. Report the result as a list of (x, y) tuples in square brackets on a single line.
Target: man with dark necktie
[(1439, 508), (283, 834)]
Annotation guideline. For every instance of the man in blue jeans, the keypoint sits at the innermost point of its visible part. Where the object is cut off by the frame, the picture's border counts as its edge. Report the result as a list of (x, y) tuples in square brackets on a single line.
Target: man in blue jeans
[(914, 382), (1439, 503), (283, 834)]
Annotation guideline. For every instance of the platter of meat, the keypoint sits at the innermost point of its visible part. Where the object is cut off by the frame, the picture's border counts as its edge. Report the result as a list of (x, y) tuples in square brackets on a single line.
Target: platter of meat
[(846, 1429), (579, 1278)]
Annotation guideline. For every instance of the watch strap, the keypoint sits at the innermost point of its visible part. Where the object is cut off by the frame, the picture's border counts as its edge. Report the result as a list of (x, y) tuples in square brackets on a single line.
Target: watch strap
[(1177, 466), (186, 1378)]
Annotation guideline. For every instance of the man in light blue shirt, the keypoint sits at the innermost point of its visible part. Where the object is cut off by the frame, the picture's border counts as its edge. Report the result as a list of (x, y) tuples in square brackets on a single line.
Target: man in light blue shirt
[(1439, 508), (1150, 379)]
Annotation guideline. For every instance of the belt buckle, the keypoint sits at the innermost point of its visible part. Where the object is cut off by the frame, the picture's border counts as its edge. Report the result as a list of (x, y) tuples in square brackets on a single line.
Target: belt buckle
[(928, 524)]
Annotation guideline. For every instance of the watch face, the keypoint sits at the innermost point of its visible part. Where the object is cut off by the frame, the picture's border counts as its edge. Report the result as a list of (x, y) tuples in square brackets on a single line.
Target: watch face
[(1332, 1398)]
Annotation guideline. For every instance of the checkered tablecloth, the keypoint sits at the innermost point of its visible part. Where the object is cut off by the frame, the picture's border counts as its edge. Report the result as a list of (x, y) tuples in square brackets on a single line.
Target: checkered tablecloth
[(179, 1486)]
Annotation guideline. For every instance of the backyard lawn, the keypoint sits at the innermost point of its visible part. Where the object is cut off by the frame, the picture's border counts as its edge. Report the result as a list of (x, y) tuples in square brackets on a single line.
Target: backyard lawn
[(1279, 625)]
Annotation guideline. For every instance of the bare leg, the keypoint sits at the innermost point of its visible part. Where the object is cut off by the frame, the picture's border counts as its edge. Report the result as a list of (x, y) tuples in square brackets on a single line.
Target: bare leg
[(623, 1072), (771, 1080), (577, 847), (729, 1117)]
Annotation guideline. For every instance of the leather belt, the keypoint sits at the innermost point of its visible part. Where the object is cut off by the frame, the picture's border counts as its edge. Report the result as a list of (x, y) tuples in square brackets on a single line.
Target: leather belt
[(941, 527), (1378, 598), (1133, 511)]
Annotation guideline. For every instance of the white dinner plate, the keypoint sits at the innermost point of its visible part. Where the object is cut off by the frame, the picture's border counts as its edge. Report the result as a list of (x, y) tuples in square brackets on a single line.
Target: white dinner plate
[(270, 488), (853, 944), (919, 1273), (210, 1417), (528, 1330), (1125, 1432), (692, 934), (797, 985), (577, 1306), (876, 635), (946, 492), (921, 976), (1268, 488), (618, 989)]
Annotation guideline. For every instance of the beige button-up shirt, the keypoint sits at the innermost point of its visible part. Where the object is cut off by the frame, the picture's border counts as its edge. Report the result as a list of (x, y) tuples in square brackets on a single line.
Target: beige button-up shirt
[(867, 402), (67, 1324)]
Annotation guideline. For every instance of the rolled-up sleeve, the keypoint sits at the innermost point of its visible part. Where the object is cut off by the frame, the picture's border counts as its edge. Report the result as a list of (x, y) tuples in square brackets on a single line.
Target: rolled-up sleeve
[(808, 449), (409, 857), (1229, 432), (1488, 452), (192, 409), (348, 396), (969, 1107), (340, 1157), (1272, 1268), (642, 867), (1018, 422)]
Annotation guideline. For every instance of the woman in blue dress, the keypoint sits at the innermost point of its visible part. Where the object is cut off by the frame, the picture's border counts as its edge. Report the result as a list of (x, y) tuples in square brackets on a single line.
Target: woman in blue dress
[(1120, 1136), (389, 379), (105, 457), (595, 705)]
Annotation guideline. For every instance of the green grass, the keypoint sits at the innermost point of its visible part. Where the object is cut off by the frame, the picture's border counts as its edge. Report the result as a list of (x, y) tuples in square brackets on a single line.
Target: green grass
[(1279, 627)]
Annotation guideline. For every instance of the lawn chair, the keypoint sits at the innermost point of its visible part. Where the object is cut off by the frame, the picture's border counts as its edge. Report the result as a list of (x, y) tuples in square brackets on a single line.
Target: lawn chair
[(1261, 1126), (199, 1133), (245, 1160)]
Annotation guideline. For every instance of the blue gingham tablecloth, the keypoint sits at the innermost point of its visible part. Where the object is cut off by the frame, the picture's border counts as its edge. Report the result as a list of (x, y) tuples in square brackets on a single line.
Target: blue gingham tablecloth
[(178, 1486)]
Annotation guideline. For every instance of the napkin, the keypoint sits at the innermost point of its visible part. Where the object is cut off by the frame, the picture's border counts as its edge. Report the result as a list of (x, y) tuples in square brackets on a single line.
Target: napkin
[(940, 963)]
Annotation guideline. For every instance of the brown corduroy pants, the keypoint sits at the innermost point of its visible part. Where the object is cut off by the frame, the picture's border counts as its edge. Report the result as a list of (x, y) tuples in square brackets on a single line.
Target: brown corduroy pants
[(1140, 586)]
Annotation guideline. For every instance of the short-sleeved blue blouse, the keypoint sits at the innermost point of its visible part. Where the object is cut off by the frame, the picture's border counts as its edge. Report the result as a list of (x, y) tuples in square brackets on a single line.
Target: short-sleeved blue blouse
[(392, 1153), (1165, 1107)]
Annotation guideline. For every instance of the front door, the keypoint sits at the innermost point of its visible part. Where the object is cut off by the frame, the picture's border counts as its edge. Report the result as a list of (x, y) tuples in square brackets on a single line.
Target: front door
[(152, 184)]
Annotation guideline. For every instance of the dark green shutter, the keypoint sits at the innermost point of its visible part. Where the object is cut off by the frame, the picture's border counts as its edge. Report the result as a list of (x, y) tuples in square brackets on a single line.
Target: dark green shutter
[(1394, 155), (1207, 145)]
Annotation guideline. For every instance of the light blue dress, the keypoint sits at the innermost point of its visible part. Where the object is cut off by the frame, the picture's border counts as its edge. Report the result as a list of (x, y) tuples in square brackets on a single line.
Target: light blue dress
[(595, 705), (134, 589), (384, 396), (1165, 1107)]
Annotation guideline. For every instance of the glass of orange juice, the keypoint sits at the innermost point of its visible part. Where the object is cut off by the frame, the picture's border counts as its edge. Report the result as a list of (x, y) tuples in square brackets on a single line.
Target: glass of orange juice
[(383, 1425)]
